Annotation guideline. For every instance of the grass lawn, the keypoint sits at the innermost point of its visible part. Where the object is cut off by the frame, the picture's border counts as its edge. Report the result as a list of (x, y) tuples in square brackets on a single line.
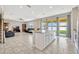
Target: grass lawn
[(62, 31)]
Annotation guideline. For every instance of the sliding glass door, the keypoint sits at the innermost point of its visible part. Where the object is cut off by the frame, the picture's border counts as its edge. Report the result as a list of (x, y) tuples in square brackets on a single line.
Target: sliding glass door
[(43, 25), (52, 26), (58, 26), (62, 26)]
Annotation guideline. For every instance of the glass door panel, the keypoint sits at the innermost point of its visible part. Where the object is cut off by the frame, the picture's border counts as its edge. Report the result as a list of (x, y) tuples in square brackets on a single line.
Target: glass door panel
[(54, 30), (52, 27), (62, 23), (43, 25), (62, 31), (62, 26), (49, 27)]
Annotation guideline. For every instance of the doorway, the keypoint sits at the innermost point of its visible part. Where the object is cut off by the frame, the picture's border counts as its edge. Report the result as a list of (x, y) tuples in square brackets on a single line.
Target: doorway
[(23, 27)]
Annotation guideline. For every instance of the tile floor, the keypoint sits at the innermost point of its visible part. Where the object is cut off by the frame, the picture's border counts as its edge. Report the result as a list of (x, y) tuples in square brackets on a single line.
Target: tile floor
[(22, 43)]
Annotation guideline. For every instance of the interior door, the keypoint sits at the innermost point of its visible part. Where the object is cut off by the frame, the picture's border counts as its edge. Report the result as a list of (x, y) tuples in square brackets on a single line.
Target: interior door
[(62, 26), (23, 27)]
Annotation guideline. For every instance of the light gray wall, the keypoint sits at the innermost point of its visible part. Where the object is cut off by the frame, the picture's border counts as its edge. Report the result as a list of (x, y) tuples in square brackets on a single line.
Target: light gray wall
[(74, 15), (34, 23), (13, 24), (74, 27)]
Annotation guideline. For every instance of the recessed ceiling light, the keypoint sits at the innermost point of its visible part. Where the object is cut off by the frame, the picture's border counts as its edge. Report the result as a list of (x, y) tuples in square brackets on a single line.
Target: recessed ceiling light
[(50, 7), (20, 6), (32, 12)]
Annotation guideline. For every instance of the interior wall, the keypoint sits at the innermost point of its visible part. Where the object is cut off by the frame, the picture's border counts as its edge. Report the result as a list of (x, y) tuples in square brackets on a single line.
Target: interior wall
[(13, 24), (74, 15), (29, 24), (33, 24), (74, 27), (37, 24)]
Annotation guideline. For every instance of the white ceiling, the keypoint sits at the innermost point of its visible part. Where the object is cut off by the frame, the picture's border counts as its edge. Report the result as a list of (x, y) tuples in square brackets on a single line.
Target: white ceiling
[(15, 12)]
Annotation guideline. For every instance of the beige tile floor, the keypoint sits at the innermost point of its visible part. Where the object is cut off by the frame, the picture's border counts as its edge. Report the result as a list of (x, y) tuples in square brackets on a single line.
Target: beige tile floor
[(23, 43)]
